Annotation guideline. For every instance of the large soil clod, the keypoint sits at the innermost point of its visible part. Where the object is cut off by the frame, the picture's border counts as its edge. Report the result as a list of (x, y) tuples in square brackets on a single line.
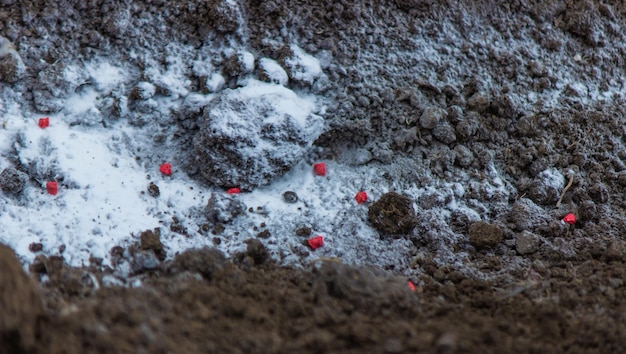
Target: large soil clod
[(483, 235), (393, 214)]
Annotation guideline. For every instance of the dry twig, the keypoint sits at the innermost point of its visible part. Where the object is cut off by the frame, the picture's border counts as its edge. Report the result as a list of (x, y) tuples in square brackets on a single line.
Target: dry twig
[(569, 184)]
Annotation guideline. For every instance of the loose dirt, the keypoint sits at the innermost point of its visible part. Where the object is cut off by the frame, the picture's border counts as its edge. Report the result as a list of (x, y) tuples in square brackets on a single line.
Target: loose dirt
[(201, 302)]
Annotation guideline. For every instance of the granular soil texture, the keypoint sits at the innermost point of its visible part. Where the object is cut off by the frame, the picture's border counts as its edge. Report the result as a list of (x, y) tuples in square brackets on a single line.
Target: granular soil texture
[(201, 302), (508, 100), (504, 112)]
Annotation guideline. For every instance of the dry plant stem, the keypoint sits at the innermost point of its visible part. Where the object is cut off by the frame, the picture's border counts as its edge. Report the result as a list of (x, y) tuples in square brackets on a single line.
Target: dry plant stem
[(569, 184)]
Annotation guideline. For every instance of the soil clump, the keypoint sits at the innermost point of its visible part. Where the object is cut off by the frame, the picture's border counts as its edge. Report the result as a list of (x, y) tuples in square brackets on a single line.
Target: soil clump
[(392, 214)]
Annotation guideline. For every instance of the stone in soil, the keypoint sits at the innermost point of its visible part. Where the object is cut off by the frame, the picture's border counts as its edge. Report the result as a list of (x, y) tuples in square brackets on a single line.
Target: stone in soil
[(12, 181)]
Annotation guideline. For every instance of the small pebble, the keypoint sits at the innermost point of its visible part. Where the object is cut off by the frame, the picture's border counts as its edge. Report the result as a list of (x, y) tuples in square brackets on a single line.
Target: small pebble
[(35, 247), (264, 234), (303, 231), (153, 190), (290, 197)]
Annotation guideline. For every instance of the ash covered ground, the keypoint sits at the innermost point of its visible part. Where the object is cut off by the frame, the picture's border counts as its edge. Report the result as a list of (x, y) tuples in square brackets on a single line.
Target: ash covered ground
[(489, 120)]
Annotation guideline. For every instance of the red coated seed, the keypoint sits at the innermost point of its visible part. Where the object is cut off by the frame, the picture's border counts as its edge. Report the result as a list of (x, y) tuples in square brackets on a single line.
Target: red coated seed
[(410, 285), (316, 242), (360, 197), (320, 169), (569, 219), (233, 191), (44, 122), (52, 188), (166, 168)]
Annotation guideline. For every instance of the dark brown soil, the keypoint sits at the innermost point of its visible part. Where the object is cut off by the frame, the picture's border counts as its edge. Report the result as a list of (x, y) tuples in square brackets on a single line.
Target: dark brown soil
[(533, 89), (20, 305), (200, 302), (483, 235), (392, 214)]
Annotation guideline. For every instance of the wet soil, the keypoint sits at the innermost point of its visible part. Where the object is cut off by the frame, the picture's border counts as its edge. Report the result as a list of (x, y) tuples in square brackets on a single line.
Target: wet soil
[(201, 302)]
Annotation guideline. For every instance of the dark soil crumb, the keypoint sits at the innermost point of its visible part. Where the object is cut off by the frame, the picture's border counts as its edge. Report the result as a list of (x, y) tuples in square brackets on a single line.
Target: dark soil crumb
[(179, 229), (303, 231), (483, 235), (392, 214), (117, 254), (217, 229), (256, 253), (264, 234), (151, 240), (35, 247), (290, 197), (153, 190)]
